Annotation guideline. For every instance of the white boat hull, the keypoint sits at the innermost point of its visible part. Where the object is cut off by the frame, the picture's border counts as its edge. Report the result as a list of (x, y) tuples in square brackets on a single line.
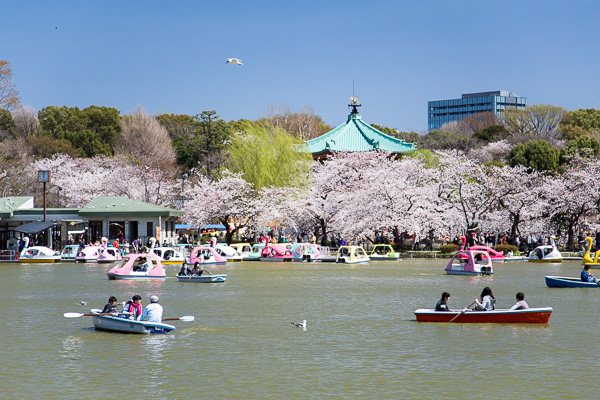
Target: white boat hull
[(203, 278), (133, 275), (124, 325)]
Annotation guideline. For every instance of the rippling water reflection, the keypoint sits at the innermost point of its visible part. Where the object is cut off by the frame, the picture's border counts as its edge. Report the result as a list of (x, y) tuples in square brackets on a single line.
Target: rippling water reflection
[(362, 340)]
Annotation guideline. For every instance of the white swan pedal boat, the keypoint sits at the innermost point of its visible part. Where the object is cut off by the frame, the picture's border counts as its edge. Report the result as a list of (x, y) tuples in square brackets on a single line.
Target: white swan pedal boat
[(125, 325)]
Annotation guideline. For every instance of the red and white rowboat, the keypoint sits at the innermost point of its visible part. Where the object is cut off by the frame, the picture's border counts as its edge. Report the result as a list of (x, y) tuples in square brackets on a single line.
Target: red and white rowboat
[(528, 316)]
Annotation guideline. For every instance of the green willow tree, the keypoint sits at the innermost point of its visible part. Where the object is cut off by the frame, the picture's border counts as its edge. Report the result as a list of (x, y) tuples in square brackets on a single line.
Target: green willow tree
[(267, 155)]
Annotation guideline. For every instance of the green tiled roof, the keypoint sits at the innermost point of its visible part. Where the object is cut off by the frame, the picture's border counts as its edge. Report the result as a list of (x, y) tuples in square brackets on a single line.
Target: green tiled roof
[(356, 135), (10, 204), (122, 206)]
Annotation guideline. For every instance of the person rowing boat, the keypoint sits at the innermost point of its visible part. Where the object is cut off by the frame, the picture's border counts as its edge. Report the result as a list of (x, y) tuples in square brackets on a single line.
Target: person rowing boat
[(586, 276)]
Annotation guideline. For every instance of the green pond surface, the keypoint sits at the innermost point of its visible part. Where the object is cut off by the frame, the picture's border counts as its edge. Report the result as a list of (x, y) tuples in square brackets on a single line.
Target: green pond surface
[(362, 339)]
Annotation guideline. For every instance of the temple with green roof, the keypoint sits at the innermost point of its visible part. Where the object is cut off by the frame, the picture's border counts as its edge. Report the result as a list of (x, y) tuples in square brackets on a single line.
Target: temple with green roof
[(355, 135)]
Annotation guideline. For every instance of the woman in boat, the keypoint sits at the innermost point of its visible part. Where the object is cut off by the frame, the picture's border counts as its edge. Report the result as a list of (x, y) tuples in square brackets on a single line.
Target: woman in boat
[(521, 303), (133, 308), (184, 271), (487, 301), (442, 304), (111, 306)]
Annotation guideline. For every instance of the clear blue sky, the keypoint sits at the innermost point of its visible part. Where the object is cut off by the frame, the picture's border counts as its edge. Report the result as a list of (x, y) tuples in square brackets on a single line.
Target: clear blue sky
[(170, 56)]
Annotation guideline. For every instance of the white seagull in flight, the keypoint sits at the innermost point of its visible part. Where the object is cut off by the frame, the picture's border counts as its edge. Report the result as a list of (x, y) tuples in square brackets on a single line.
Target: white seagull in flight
[(235, 61)]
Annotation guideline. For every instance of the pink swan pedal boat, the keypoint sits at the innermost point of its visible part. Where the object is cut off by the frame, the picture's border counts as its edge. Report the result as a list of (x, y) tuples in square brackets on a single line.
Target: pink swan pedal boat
[(109, 255), (205, 256), (470, 262), (496, 256), (277, 253), (88, 254), (138, 266), (528, 316)]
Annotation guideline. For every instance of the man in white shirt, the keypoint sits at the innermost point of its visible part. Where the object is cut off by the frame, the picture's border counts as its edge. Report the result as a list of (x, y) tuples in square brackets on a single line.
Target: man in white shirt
[(153, 311)]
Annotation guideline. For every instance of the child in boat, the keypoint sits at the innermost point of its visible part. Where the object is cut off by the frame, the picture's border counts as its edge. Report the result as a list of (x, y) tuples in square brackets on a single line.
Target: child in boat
[(487, 302), (111, 306), (521, 303), (442, 304)]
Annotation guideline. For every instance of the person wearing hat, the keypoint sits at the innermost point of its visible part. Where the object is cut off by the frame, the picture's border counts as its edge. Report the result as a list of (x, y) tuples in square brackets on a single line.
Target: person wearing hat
[(153, 311)]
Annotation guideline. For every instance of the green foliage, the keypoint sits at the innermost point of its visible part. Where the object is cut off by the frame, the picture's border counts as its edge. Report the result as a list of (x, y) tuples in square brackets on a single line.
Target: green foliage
[(267, 156), (539, 120), (92, 130), (183, 132), (570, 132), (47, 146), (409, 137), (584, 146), (386, 130), (535, 154), (496, 163), (7, 124), (492, 133), (587, 119), (211, 138), (506, 248), (443, 140), (448, 248)]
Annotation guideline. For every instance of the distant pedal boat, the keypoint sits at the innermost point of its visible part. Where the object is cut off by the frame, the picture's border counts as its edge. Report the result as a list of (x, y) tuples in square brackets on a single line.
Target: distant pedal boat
[(383, 252), (352, 255), (39, 254), (546, 254), (470, 262), (138, 266)]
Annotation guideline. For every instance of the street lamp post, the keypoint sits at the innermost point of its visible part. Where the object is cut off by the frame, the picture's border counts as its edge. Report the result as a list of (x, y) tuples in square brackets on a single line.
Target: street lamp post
[(182, 187)]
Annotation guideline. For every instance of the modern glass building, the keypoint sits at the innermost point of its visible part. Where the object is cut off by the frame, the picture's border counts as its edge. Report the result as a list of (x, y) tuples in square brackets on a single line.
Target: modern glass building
[(440, 112)]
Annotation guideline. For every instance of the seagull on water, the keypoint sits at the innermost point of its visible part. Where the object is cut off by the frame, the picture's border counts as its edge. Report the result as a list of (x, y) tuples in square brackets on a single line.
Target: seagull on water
[(83, 303), (235, 61), (300, 324)]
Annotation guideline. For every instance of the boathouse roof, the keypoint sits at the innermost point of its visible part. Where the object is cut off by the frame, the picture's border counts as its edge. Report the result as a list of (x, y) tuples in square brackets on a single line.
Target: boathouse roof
[(355, 135), (119, 206), (8, 205)]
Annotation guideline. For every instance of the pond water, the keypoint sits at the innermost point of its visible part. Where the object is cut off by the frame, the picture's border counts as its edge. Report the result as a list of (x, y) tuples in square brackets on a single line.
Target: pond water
[(362, 339)]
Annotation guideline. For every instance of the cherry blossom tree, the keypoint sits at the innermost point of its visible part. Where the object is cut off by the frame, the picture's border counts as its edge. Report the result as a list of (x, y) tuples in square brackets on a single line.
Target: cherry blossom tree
[(231, 201), (82, 179), (573, 195)]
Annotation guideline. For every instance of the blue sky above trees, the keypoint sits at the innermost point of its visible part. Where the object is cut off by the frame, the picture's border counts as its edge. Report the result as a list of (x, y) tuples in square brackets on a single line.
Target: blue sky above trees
[(170, 57)]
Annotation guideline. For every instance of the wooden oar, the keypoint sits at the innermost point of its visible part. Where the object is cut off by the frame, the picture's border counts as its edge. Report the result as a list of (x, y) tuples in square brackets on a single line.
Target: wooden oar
[(77, 315), (462, 312), (186, 318)]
